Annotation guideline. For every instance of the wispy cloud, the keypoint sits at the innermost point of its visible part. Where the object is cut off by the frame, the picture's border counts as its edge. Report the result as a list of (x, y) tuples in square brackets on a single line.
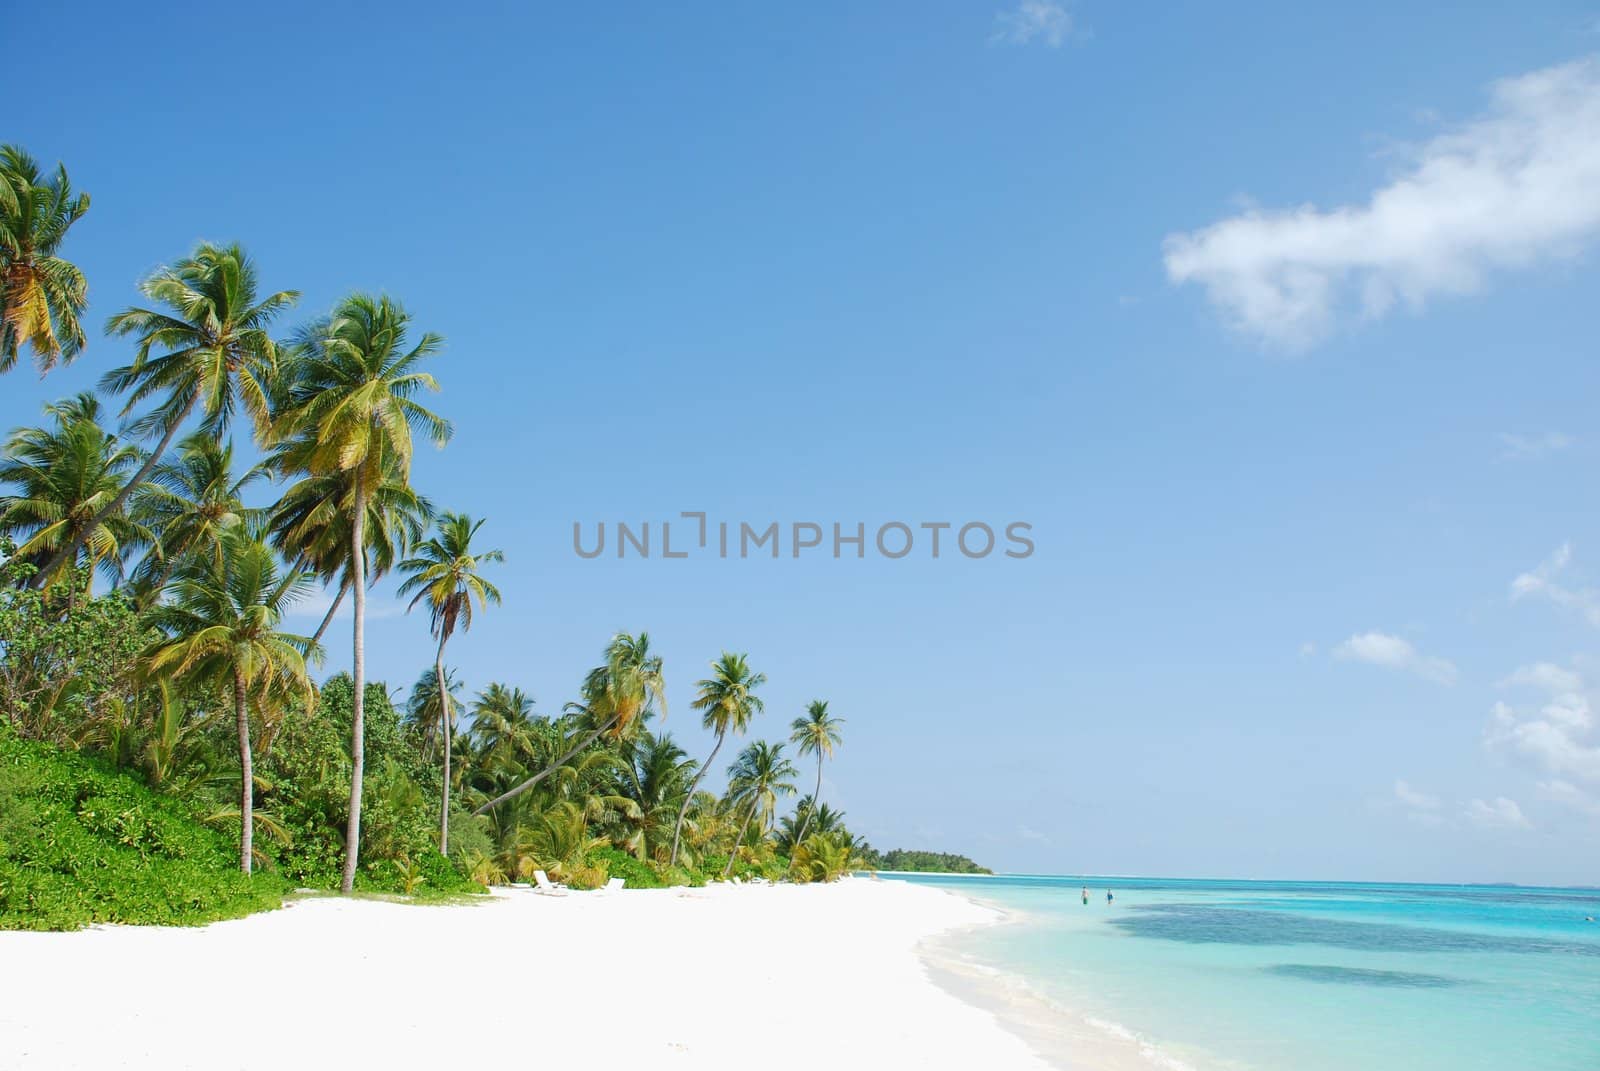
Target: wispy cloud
[(1498, 813), (1033, 20), (1413, 797), (1421, 807), (1570, 795), (1531, 447), (1518, 185), (1541, 582), (315, 605), (1553, 735), (1394, 652)]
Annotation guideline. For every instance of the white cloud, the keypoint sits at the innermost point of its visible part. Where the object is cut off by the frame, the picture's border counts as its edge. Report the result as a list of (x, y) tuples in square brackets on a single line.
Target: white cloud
[(1421, 807), (1518, 185), (1027, 833), (1498, 813), (1532, 447), (1570, 795), (1541, 581), (315, 606), (1033, 20), (1554, 736), (1412, 797), (1393, 652), (1545, 676)]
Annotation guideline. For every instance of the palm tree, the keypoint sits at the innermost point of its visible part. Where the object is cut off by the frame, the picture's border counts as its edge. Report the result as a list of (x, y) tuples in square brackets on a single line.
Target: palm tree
[(352, 407), (507, 730), (755, 782), (63, 475), (727, 701), (217, 355), (41, 295), (653, 776), (812, 816), (221, 629), (817, 733), (444, 574), (189, 501), (617, 695), (311, 524), (424, 713)]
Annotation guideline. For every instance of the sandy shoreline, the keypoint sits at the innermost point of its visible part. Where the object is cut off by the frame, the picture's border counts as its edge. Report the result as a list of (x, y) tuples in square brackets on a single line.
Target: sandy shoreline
[(780, 976)]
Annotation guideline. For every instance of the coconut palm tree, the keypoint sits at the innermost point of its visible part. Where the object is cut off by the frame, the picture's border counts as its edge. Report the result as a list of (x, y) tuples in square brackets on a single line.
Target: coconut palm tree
[(444, 574), (62, 475), (654, 775), (41, 295), (221, 631), (727, 701), (508, 732), (190, 499), (755, 782), (216, 356), (311, 524), (817, 733), (352, 407), (815, 817), (424, 713), (617, 695)]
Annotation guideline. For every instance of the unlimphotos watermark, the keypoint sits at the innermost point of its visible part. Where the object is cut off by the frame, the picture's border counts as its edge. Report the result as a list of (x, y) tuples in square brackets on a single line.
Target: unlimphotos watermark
[(741, 539)]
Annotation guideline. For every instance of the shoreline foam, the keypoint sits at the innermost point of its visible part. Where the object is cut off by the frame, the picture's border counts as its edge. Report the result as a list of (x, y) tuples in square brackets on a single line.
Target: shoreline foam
[(1066, 1038)]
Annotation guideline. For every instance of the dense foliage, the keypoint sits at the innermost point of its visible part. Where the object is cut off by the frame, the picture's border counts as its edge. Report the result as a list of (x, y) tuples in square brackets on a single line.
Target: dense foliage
[(905, 859), (80, 843), (177, 694)]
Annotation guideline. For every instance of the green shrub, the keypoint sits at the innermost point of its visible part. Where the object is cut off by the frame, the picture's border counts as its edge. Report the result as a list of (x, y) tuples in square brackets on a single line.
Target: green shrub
[(636, 873), (81, 844)]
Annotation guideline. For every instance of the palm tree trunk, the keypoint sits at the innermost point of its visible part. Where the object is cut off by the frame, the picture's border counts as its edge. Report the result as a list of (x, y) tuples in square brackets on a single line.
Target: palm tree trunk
[(70, 548), (327, 619), (241, 713), (677, 827), (800, 834), (358, 673), (546, 772), (444, 717), (733, 853)]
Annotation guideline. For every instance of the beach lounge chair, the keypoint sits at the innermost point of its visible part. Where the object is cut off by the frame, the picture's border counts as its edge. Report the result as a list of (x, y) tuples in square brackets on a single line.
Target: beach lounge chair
[(543, 884), (613, 885)]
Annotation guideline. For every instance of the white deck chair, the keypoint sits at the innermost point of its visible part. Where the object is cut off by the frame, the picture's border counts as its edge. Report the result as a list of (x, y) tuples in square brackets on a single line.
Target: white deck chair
[(613, 885), (545, 885)]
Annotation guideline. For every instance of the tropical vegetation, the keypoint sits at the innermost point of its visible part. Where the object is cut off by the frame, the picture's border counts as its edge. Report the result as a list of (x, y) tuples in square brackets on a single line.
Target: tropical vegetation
[(168, 752)]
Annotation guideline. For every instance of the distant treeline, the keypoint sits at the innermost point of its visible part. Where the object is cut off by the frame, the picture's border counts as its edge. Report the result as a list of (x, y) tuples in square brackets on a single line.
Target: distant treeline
[(930, 862)]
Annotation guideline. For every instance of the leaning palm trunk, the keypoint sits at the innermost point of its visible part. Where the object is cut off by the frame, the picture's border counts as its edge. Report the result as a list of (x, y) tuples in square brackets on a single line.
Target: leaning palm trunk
[(69, 548), (800, 834), (241, 713), (358, 673), (688, 797), (327, 619), (444, 716), (546, 772), (733, 853)]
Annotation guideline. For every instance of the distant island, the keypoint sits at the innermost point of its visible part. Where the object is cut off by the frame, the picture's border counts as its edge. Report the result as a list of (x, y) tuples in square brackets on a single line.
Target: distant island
[(908, 859)]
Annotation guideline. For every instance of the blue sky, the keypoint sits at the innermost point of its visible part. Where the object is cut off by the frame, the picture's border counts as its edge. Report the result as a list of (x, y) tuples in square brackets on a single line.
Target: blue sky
[(1271, 323)]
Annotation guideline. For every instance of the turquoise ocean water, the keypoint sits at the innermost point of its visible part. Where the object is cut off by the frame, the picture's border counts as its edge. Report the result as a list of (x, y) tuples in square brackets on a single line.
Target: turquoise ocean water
[(1295, 976)]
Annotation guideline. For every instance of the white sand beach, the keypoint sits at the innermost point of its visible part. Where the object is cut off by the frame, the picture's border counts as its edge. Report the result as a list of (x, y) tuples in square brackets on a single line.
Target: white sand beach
[(771, 976)]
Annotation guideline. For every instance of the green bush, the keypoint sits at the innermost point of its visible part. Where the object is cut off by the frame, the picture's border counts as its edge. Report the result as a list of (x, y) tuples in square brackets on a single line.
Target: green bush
[(307, 786), (80, 844), (773, 869), (637, 873)]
